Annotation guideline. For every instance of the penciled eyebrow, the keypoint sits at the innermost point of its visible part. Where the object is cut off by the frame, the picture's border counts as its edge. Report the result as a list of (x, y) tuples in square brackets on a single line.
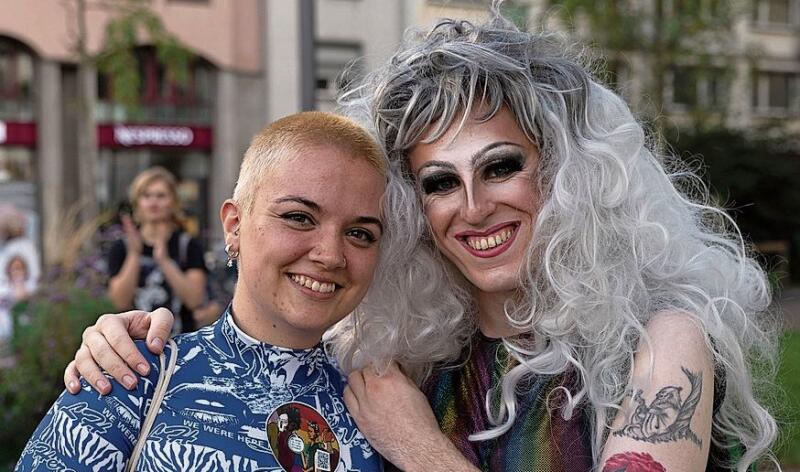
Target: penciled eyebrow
[(476, 160), (315, 207), (480, 158)]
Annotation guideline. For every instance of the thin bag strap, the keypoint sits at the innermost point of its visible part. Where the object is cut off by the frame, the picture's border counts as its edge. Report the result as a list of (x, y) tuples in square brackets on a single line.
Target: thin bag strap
[(155, 404)]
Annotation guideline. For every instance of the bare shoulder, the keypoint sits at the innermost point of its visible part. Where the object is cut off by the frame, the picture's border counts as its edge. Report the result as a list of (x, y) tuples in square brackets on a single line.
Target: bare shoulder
[(671, 323), (673, 338), (666, 414)]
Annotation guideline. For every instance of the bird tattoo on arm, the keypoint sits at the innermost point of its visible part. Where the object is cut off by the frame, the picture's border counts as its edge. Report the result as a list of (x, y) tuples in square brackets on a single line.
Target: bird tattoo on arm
[(668, 416)]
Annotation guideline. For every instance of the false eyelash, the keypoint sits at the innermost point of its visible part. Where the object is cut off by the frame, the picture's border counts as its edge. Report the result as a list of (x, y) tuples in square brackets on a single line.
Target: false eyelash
[(434, 183)]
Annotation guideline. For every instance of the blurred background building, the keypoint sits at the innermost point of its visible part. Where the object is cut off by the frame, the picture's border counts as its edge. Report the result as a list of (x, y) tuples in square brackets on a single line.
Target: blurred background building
[(257, 60)]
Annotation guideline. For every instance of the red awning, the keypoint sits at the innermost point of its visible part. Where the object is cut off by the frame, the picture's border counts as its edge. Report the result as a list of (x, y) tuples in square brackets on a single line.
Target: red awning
[(17, 133), (125, 136)]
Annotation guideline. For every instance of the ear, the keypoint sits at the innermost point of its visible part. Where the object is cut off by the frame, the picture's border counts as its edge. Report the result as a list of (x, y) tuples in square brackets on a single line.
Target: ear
[(230, 214)]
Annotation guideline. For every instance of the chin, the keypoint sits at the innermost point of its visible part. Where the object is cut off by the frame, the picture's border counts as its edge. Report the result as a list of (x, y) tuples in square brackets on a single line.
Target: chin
[(499, 284)]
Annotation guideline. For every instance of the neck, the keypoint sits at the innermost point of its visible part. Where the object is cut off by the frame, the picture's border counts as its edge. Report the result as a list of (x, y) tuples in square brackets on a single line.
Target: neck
[(492, 320), (257, 323), (152, 230)]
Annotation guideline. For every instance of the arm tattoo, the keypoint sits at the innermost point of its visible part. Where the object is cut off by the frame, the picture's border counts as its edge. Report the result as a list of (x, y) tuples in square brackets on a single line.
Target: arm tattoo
[(633, 462), (667, 417)]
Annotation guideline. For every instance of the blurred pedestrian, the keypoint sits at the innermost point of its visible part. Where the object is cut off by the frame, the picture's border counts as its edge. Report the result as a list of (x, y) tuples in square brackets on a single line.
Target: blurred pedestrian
[(19, 269), (157, 264)]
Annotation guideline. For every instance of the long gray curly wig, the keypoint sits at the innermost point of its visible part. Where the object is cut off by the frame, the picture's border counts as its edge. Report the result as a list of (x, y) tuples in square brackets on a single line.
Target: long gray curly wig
[(622, 234)]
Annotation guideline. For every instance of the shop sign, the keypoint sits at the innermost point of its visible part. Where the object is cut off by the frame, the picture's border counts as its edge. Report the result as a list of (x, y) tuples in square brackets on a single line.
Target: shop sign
[(17, 134), (148, 136)]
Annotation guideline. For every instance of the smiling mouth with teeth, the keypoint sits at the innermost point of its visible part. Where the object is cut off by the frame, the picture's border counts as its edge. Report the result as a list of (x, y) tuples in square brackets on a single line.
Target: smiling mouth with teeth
[(313, 285), (483, 243)]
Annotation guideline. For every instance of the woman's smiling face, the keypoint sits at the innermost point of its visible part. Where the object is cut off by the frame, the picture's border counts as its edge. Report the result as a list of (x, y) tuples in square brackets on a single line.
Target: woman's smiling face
[(478, 188), (309, 247)]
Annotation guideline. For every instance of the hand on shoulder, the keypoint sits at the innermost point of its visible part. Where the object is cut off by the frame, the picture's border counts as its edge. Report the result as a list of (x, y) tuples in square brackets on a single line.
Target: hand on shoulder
[(108, 345), (394, 415)]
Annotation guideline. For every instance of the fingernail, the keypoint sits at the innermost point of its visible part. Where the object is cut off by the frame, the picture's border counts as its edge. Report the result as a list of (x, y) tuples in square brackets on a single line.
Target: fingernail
[(157, 343), (73, 385), (142, 368), (129, 381), (103, 385)]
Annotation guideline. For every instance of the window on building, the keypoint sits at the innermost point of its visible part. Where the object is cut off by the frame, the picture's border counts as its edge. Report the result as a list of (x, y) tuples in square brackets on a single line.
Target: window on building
[(685, 86), (705, 87), (161, 98), (716, 88), (775, 12), (16, 77), (776, 92), (155, 88), (779, 93), (778, 11), (336, 67)]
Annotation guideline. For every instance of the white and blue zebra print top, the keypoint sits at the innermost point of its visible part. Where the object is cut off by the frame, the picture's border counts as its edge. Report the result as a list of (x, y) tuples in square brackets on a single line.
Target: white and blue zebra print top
[(233, 404)]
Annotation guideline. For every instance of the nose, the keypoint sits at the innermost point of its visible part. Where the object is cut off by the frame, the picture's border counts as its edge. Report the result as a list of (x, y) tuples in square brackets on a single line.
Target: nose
[(328, 252), (477, 205)]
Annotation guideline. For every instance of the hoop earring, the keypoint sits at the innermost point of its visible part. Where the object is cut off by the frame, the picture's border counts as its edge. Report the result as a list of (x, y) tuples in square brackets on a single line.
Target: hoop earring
[(232, 255)]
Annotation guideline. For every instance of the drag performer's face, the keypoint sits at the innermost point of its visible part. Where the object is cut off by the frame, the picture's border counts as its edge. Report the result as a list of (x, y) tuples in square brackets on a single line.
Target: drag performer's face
[(309, 247), (478, 192)]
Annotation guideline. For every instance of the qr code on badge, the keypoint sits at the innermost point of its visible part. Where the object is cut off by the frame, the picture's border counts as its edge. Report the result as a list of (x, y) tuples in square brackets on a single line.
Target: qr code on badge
[(322, 460)]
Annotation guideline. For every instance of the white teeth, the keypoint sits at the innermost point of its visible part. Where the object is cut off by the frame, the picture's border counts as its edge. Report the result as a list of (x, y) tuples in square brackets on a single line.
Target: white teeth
[(315, 285), (481, 244)]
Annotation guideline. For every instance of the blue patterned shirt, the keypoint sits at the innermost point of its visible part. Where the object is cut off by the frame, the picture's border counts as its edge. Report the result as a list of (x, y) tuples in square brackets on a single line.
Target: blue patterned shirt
[(233, 404)]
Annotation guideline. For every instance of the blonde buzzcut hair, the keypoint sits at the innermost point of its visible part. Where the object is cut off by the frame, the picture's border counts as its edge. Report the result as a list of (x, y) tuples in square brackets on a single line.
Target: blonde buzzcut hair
[(147, 177), (285, 138)]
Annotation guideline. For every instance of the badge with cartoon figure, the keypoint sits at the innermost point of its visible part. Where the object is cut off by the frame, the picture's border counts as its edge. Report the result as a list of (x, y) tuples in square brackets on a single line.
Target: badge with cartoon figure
[(301, 439)]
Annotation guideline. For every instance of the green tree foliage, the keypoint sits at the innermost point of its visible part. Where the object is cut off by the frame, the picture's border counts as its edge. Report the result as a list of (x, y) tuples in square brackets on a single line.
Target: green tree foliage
[(752, 173), (136, 23), (47, 331)]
